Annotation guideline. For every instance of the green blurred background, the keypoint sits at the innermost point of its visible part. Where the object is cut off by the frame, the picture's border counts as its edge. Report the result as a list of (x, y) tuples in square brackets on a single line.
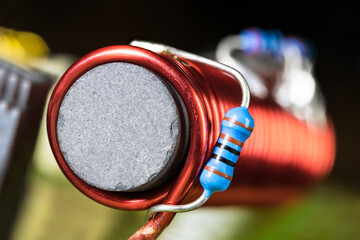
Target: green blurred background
[(54, 209)]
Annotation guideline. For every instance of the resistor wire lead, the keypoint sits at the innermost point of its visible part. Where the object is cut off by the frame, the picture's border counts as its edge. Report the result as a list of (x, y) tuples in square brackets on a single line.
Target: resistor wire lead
[(236, 127)]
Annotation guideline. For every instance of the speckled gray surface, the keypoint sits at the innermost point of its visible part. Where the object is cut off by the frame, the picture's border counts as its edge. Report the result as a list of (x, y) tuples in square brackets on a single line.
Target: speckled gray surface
[(118, 126)]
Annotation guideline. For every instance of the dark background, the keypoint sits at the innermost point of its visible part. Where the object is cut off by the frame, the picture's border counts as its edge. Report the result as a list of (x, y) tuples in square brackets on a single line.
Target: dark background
[(55, 209), (78, 28)]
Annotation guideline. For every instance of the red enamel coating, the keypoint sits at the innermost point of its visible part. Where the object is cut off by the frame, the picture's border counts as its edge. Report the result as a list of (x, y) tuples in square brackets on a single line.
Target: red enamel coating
[(282, 157)]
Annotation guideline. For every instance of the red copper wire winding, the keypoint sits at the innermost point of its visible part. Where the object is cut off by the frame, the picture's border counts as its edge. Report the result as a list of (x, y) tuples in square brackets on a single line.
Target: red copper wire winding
[(282, 158)]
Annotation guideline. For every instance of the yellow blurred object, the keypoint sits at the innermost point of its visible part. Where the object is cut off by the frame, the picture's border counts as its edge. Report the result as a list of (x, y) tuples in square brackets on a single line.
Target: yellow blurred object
[(23, 48)]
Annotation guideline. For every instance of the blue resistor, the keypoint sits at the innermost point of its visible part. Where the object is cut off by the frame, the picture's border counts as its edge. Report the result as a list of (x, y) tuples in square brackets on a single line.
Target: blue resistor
[(258, 41), (236, 127), (251, 40)]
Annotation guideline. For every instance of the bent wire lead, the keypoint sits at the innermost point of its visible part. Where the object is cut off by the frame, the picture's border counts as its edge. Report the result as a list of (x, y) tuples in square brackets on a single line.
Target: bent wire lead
[(236, 128)]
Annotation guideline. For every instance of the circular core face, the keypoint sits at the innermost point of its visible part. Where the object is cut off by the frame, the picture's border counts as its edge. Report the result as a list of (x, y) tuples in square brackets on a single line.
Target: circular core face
[(119, 127)]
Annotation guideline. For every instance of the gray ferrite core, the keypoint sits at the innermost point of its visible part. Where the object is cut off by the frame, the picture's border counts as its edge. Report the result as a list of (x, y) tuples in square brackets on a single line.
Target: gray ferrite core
[(120, 128)]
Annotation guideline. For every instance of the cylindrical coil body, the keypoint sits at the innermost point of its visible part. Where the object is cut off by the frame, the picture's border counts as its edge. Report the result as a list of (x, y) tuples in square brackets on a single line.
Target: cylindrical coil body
[(283, 156)]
